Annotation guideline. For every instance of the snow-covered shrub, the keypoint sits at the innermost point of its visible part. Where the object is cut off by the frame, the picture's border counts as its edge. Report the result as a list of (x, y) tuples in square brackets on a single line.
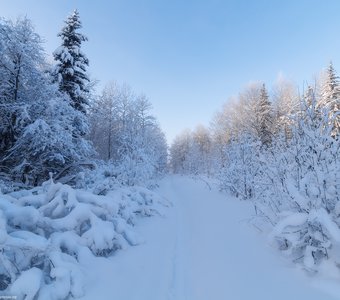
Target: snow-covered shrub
[(293, 182), (100, 179), (241, 167), (304, 195), (7, 185), (130, 171), (45, 146), (48, 232), (307, 237)]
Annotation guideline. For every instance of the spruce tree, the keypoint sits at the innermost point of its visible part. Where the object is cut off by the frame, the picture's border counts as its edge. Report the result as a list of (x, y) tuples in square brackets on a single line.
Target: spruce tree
[(264, 117), (330, 97), (70, 71)]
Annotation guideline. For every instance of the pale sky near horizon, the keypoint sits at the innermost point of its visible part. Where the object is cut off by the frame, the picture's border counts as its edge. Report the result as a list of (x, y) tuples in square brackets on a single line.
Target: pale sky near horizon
[(190, 56)]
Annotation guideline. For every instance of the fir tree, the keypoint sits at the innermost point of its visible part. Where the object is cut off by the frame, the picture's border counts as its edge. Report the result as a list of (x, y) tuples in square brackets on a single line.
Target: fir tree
[(70, 71)]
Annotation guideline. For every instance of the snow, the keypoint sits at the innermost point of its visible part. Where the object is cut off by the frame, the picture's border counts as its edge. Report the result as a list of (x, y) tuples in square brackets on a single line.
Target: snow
[(204, 248), (324, 218), (292, 219), (27, 285), (57, 242), (28, 239), (3, 233)]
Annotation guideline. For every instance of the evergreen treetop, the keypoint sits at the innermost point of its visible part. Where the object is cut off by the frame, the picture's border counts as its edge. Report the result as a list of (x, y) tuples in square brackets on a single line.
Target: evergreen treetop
[(70, 71), (265, 117), (330, 97)]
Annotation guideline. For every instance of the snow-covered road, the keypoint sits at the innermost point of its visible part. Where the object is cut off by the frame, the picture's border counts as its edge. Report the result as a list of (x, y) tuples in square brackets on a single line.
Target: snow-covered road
[(202, 249)]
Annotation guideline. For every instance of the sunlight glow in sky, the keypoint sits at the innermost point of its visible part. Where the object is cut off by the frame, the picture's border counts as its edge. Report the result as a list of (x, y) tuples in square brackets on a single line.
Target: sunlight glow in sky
[(190, 56)]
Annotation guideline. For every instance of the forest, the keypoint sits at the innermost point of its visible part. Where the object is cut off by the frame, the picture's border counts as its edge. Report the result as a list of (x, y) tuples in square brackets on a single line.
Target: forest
[(79, 168)]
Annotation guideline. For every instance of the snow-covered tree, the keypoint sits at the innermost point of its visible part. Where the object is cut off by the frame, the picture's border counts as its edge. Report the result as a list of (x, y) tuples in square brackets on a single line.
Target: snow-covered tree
[(70, 71), (40, 131), (103, 115), (21, 64), (264, 117), (47, 144), (126, 134), (285, 104), (238, 173), (179, 152), (202, 143), (246, 116), (222, 130), (192, 152), (330, 97)]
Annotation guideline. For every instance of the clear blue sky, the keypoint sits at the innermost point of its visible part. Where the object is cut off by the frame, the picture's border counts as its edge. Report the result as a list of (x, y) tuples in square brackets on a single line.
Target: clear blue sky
[(190, 56)]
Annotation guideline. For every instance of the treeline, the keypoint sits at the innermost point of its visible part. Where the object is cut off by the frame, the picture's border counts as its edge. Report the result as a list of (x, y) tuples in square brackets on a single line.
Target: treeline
[(51, 121), (281, 151), (125, 132)]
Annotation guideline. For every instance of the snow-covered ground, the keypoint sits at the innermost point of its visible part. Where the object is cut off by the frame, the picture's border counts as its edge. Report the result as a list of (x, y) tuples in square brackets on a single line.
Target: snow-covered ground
[(203, 248)]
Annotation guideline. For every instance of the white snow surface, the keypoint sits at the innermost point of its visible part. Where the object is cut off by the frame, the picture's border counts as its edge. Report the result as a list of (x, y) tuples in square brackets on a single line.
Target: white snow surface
[(203, 248)]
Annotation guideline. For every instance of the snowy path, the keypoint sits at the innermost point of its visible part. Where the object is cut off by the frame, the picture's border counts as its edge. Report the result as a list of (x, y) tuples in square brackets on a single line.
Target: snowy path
[(202, 249)]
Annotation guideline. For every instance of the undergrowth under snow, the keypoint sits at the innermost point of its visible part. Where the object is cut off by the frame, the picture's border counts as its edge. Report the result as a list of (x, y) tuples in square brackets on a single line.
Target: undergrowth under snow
[(46, 232)]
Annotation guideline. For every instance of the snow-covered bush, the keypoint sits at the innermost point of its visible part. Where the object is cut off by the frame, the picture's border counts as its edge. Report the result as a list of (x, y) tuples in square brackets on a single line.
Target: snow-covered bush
[(48, 145), (307, 237), (241, 167), (46, 233), (295, 185), (309, 185)]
